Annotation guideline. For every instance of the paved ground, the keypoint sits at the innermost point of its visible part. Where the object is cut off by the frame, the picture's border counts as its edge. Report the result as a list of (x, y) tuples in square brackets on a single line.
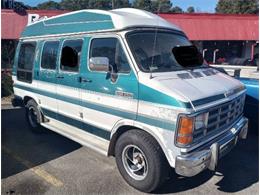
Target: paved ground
[(51, 164)]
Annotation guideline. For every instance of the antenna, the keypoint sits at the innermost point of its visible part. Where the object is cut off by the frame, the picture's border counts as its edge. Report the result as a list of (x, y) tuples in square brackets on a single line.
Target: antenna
[(155, 39)]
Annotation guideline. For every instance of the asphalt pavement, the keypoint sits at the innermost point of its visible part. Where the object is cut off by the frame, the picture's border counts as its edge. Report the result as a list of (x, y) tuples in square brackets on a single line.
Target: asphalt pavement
[(49, 163)]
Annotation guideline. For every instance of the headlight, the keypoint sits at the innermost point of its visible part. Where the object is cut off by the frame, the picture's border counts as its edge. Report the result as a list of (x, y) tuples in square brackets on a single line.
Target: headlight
[(201, 121), (190, 128)]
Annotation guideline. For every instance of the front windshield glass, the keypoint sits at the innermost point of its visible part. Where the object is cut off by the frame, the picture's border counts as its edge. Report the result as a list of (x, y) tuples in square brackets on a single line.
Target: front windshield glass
[(152, 50)]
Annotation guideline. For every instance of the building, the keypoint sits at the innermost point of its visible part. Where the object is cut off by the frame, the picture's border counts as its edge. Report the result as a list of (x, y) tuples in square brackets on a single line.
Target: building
[(223, 39)]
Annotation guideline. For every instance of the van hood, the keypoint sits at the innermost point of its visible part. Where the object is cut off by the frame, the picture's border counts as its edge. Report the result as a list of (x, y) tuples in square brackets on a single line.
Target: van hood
[(197, 87)]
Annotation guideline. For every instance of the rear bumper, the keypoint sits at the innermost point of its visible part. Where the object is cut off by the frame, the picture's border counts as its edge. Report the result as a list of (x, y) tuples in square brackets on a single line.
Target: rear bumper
[(208, 156)]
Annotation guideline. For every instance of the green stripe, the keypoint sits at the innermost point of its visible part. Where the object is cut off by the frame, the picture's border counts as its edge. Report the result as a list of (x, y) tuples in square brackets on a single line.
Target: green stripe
[(113, 111), (79, 124)]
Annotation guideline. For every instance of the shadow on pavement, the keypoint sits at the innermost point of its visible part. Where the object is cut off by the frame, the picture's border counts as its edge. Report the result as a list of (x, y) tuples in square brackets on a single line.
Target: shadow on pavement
[(23, 149), (238, 170)]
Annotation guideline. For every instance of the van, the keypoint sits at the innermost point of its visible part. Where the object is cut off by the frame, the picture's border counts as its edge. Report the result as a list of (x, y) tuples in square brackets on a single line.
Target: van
[(128, 84)]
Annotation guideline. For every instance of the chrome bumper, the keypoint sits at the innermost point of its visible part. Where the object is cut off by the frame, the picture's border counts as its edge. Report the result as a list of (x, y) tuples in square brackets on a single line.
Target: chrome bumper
[(207, 157)]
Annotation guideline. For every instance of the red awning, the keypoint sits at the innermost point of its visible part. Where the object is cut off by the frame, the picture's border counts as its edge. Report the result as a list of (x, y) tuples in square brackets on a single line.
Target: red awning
[(196, 26), (12, 23), (216, 26)]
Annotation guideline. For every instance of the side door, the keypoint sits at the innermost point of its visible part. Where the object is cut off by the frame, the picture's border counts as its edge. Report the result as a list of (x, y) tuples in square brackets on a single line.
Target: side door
[(68, 93), (47, 81), (108, 97)]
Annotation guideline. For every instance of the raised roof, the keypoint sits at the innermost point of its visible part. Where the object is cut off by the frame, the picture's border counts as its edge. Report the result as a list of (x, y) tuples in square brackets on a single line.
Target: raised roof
[(95, 20)]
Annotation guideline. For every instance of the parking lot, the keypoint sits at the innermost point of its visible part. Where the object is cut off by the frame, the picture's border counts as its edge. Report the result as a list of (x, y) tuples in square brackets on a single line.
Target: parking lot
[(48, 163)]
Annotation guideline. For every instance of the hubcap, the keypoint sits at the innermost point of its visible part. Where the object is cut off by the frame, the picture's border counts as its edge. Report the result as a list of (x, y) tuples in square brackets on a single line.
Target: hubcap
[(32, 115), (135, 162)]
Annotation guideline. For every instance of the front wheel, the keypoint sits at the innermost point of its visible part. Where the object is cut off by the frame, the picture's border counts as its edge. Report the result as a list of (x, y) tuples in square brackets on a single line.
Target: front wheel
[(141, 161)]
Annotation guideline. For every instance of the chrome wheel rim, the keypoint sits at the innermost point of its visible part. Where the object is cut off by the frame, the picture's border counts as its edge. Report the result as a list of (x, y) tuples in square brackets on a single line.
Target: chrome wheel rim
[(32, 115), (135, 162)]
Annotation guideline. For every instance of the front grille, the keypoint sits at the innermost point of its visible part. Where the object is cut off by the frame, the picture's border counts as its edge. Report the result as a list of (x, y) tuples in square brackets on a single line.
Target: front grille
[(221, 117)]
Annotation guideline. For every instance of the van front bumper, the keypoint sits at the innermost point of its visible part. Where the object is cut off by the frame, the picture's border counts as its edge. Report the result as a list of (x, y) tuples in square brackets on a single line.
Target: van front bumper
[(192, 163)]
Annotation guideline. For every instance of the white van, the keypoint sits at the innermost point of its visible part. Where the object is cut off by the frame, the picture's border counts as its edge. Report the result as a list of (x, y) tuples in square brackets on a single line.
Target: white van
[(128, 84)]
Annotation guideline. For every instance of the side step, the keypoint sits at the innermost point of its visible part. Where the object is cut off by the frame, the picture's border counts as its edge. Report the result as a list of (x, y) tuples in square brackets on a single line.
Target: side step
[(82, 137)]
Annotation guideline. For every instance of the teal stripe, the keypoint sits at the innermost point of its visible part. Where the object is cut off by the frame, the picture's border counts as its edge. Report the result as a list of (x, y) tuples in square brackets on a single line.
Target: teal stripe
[(74, 23), (124, 114), (79, 124)]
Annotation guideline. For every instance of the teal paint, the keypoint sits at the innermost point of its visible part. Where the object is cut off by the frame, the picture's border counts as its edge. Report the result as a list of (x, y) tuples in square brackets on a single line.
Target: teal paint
[(151, 95), (74, 23), (113, 111), (79, 124)]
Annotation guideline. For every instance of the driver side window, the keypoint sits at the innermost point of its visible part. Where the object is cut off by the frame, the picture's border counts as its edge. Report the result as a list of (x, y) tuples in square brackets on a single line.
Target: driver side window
[(112, 49)]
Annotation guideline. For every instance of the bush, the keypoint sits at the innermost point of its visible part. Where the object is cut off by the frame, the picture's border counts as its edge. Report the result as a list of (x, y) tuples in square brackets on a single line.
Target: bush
[(6, 85)]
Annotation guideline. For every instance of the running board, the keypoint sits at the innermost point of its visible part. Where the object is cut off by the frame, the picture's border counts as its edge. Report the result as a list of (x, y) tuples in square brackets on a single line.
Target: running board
[(82, 137)]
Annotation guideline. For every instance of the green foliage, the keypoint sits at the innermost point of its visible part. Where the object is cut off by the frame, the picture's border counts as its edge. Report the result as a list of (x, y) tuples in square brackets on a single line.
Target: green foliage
[(143, 4), (238, 7), (7, 52), (161, 6), (190, 9), (176, 9), (6, 85), (93, 4), (120, 4), (74, 4), (100, 4), (49, 5)]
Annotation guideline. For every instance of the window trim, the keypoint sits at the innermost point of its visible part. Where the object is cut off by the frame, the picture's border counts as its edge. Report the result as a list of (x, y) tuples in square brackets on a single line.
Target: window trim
[(34, 58), (107, 37), (60, 53), (57, 60)]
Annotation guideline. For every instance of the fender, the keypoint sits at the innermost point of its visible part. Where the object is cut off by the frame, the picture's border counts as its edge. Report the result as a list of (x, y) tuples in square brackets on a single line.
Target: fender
[(124, 125)]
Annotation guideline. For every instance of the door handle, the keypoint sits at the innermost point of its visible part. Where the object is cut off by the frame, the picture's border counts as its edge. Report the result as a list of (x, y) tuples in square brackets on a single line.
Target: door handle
[(84, 80), (60, 77)]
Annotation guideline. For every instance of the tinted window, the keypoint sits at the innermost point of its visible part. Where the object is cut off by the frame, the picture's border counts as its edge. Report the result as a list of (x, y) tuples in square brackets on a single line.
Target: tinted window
[(26, 61), (112, 49), (70, 56), (49, 54), (153, 50)]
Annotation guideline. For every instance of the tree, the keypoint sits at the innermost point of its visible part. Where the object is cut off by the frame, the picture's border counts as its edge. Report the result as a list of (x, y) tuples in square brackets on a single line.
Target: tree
[(143, 4), (49, 5), (176, 9), (190, 9), (237, 7), (100, 4), (74, 4), (7, 53), (161, 6), (120, 4)]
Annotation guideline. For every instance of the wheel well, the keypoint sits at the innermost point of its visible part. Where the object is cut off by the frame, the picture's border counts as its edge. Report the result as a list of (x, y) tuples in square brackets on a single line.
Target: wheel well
[(26, 99), (118, 133)]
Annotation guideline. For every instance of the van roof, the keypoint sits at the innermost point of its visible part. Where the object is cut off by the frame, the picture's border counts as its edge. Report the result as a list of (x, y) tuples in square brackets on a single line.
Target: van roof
[(85, 21)]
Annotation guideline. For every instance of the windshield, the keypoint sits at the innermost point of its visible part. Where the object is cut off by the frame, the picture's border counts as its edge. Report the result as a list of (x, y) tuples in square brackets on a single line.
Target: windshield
[(152, 50)]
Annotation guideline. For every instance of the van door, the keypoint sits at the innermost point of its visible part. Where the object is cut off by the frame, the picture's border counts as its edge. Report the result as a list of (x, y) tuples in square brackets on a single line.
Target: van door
[(47, 77), (68, 96), (107, 99)]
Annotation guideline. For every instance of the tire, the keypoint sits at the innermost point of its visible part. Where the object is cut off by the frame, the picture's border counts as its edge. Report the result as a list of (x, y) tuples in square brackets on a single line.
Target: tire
[(33, 116), (148, 154)]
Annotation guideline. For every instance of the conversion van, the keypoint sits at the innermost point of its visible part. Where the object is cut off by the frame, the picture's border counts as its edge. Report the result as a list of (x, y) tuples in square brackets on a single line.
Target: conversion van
[(128, 84)]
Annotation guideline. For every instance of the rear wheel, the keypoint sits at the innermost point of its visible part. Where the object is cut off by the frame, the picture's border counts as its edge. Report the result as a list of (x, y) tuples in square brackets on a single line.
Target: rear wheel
[(141, 161), (33, 116)]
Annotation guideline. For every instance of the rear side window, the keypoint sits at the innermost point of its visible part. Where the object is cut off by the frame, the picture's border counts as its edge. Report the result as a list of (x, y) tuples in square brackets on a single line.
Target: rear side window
[(112, 49), (70, 56), (26, 61), (49, 55)]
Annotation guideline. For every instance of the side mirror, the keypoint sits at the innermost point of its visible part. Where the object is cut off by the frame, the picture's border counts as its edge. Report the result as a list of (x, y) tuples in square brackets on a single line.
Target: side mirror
[(99, 64)]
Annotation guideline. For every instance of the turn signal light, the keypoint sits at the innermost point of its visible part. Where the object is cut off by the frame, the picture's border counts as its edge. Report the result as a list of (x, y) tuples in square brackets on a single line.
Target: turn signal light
[(185, 130)]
